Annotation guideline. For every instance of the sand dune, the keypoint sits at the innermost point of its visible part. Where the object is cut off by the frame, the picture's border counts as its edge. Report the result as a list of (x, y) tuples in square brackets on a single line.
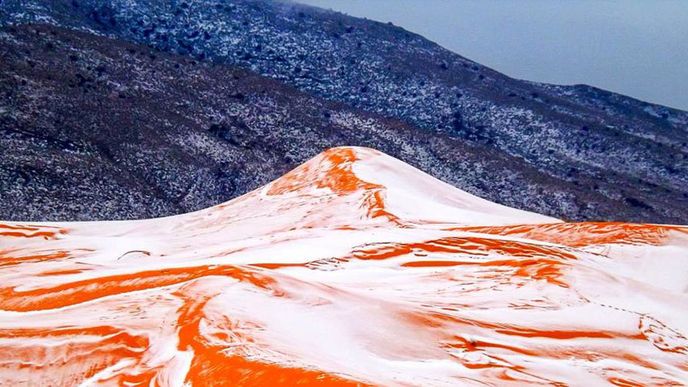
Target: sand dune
[(354, 268)]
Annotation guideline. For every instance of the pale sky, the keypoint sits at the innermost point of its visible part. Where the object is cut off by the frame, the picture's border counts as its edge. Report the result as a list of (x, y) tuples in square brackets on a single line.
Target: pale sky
[(634, 47)]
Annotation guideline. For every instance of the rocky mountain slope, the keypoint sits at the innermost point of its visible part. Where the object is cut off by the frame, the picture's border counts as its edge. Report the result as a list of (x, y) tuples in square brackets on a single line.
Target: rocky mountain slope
[(98, 128), (599, 155), (352, 269)]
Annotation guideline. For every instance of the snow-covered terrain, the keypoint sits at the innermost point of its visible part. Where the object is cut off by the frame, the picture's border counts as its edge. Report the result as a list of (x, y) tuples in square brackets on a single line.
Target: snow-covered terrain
[(354, 268)]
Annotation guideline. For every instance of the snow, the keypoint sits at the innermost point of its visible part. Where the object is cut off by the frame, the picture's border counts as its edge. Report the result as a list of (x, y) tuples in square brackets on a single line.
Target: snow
[(353, 268)]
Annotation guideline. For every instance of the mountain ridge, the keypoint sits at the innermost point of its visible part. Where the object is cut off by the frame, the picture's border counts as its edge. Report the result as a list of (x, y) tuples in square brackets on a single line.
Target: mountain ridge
[(100, 107)]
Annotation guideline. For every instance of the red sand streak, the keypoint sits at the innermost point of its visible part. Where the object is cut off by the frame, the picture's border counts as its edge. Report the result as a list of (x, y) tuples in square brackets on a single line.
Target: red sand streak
[(624, 382), (464, 245), (82, 291), (560, 334), (546, 268), (541, 269), (30, 231), (60, 272), (585, 233), (440, 320), (11, 261), (210, 363)]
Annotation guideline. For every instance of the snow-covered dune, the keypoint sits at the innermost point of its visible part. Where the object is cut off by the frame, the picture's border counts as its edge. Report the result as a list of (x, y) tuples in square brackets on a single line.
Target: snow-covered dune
[(354, 268)]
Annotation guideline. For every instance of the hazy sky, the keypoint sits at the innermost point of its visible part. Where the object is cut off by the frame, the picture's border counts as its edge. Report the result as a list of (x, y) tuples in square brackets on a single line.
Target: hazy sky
[(638, 48)]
